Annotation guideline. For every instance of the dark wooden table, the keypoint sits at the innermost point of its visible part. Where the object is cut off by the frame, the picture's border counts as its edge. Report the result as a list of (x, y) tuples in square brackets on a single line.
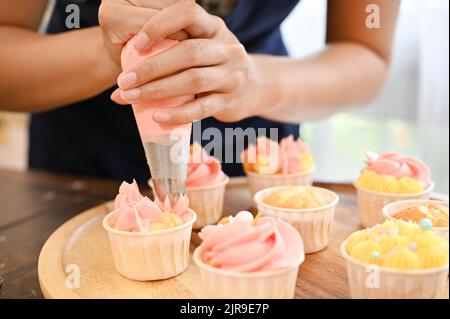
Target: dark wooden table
[(33, 205)]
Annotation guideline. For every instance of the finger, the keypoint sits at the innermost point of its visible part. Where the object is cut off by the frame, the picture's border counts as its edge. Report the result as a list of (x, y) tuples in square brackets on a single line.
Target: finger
[(190, 82), (116, 97), (185, 55), (156, 4), (179, 36), (196, 110), (183, 15), (122, 22)]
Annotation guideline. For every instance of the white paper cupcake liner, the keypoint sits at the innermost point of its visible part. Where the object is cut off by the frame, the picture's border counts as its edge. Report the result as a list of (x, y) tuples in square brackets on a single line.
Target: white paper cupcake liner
[(371, 282), (370, 203), (206, 201), (150, 256), (222, 284), (257, 182), (314, 225), (393, 209)]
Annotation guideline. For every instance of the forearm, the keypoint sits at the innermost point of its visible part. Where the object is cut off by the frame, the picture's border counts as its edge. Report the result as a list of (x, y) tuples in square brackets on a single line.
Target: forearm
[(40, 72), (344, 75)]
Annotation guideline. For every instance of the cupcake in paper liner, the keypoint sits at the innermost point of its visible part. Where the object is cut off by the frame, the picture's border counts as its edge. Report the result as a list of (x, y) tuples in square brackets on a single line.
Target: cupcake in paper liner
[(149, 240), (415, 211), (310, 210), (246, 257), (268, 164), (397, 260), (388, 178), (205, 186)]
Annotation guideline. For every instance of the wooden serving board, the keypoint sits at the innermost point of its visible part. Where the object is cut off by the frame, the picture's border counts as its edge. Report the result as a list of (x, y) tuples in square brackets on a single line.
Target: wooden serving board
[(81, 246)]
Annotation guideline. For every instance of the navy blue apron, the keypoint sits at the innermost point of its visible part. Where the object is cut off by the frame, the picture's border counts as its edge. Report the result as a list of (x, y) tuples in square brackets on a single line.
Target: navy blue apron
[(96, 137)]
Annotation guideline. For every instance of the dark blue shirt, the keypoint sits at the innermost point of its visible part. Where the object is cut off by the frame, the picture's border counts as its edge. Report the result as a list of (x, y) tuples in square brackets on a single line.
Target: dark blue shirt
[(96, 137)]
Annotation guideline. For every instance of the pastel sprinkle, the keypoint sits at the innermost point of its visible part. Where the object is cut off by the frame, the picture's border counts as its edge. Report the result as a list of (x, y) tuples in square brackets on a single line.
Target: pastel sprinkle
[(426, 224), (413, 246), (376, 255)]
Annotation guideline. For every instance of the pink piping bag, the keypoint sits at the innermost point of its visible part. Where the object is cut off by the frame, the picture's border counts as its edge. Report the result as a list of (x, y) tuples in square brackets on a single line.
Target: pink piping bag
[(166, 146)]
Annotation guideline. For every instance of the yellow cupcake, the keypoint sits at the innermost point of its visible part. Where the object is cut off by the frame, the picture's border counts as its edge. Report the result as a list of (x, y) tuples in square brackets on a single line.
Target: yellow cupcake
[(170, 220), (441, 243), (408, 185), (388, 243), (402, 259), (388, 228), (355, 239), (367, 252), (408, 229), (423, 240), (433, 257), (388, 184), (399, 245)]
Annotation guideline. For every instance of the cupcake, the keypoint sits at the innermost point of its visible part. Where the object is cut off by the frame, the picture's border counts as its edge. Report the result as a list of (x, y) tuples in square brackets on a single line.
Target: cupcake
[(415, 211), (388, 178), (149, 240), (269, 164), (205, 186), (246, 257), (310, 210), (397, 260)]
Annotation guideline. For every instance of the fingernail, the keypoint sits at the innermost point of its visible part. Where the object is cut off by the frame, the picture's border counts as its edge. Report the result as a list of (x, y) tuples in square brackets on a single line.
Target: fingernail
[(133, 94), (163, 116), (114, 94), (127, 80), (141, 41)]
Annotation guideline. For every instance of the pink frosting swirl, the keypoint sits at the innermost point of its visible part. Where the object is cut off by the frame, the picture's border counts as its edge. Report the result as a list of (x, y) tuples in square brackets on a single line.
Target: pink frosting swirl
[(291, 151), (393, 164), (244, 245), (203, 170), (283, 158), (135, 213)]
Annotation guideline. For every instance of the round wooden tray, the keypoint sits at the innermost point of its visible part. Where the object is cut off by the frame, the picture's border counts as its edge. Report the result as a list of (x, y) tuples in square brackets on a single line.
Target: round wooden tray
[(76, 260), (81, 246)]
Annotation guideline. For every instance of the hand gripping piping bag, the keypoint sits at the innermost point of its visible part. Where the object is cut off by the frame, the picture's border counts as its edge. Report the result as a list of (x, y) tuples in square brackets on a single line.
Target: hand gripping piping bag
[(166, 146)]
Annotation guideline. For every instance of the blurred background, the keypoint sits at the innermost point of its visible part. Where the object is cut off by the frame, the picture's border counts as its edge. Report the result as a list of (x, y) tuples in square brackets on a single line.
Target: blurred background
[(411, 115)]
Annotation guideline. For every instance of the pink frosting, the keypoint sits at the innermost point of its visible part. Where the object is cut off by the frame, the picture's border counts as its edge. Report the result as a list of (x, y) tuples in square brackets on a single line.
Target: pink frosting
[(203, 170), (148, 128), (135, 213), (285, 158), (245, 246), (291, 151), (393, 164)]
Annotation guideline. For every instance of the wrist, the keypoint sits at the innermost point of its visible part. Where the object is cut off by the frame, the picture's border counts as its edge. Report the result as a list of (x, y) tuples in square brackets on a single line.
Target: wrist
[(106, 69), (269, 88)]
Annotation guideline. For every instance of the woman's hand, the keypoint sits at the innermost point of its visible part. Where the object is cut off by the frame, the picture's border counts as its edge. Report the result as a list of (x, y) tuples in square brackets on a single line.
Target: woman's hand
[(120, 20), (211, 64)]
